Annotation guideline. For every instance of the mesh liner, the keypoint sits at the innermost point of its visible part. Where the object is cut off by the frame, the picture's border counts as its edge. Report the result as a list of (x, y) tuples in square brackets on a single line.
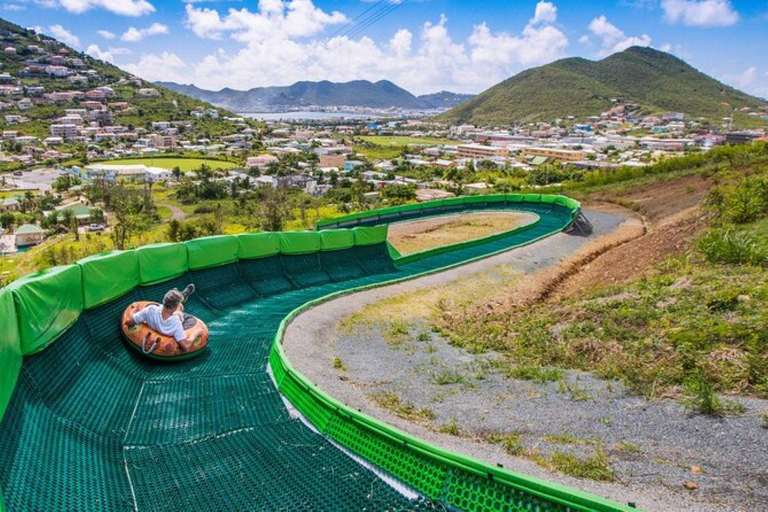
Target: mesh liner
[(92, 424)]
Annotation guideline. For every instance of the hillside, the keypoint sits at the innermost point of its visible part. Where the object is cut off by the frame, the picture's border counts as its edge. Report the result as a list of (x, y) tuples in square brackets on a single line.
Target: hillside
[(358, 93), (445, 99), (41, 79), (658, 82)]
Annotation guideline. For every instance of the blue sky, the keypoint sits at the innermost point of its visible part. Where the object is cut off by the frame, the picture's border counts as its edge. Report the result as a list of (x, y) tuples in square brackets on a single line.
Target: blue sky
[(423, 45)]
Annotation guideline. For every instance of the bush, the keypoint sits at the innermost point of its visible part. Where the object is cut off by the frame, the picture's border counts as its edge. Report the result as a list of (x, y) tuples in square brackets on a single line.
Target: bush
[(732, 247)]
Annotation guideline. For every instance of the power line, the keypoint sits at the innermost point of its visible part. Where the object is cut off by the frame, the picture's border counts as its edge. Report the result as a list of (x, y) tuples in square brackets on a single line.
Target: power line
[(351, 30)]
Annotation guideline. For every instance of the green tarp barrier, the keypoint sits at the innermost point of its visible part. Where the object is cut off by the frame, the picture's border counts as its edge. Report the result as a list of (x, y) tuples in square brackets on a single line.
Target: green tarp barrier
[(212, 251), (48, 301), (258, 245), (299, 242), (532, 198), (371, 235), (108, 275), (336, 239), (10, 349), (515, 198), (158, 262)]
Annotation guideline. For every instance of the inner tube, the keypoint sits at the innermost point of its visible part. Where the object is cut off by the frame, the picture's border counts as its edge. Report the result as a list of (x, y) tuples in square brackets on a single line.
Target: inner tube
[(154, 345)]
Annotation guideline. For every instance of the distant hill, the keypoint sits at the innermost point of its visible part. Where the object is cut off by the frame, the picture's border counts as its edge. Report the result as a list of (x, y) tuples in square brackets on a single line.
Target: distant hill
[(656, 81), (32, 57), (445, 99), (359, 93)]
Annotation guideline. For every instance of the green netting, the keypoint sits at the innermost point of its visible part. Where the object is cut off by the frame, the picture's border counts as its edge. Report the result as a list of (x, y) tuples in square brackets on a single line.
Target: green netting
[(299, 242), (258, 245), (10, 348), (335, 239), (94, 426), (47, 303), (108, 275), (371, 236), (212, 251), (158, 262)]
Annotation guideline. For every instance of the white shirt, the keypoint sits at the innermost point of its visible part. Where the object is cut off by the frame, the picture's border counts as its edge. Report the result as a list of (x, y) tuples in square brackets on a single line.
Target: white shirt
[(152, 315)]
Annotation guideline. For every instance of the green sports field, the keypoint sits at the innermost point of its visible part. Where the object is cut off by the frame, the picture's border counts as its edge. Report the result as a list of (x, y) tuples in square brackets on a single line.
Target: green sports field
[(185, 164)]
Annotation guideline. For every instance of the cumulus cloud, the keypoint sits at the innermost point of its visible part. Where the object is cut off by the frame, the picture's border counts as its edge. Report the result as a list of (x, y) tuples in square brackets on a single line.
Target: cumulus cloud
[(64, 35), (107, 54), (282, 41), (121, 7), (164, 66), (546, 12), (13, 7), (134, 35), (700, 13), (612, 38), (106, 34), (750, 80)]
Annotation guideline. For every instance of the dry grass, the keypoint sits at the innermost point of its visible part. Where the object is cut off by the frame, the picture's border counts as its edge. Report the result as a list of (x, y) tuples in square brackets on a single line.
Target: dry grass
[(422, 235)]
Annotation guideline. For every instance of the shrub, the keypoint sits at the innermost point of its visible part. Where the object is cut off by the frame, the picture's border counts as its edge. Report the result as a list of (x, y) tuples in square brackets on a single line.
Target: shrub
[(732, 247)]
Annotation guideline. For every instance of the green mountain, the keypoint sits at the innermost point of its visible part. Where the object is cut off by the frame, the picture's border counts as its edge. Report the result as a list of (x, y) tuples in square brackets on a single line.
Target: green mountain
[(358, 93), (656, 81), (27, 63)]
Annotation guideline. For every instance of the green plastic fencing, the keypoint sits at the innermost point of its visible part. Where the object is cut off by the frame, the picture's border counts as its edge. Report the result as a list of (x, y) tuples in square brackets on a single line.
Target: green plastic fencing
[(101, 283), (160, 262), (10, 349), (396, 213), (46, 304)]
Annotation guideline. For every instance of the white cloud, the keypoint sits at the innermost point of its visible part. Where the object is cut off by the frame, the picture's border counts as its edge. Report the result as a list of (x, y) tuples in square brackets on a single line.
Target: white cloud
[(612, 38), (546, 12), (282, 41), (106, 34), (749, 80), (585, 40), (165, 66), (108, 54), (64, 35), (13, 7), (121, 7), (134, 35), (700, 13)]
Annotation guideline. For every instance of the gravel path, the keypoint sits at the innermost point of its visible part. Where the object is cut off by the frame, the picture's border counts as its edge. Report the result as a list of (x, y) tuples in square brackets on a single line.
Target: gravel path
[(654, 448)]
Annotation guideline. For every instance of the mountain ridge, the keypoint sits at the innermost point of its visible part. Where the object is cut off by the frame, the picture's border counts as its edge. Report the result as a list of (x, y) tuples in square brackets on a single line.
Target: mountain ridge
[(654, 80), (356, 93)]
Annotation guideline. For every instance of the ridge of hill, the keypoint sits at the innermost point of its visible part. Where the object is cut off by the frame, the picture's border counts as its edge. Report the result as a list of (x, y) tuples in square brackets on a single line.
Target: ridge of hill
[(652, 80)]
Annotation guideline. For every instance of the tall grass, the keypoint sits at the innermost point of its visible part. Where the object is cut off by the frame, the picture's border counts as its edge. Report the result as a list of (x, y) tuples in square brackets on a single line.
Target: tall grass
[(733, 247)]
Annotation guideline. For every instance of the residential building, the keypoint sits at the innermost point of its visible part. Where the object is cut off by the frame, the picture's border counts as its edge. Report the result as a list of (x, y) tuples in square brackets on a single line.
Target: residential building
[(261, 161), (562, 155), (479, 152), (67, 131), (28, 234)]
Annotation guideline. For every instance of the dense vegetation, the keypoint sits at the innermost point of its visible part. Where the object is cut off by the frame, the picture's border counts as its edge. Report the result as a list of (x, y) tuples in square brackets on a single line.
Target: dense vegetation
[(656, 81), (694, 327)]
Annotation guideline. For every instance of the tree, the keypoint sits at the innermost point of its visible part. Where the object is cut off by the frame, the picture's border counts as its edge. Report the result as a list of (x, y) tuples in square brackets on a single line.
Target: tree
[(275, 210), (7, 220), (97, 216)]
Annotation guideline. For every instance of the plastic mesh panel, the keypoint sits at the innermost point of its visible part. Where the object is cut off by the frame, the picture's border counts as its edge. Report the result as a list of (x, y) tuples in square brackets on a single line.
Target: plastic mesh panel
[(305, 269), (481, 494), (266, 276), (188, 410), (413, 469), (222, 287), (342, 265), (52, 464), (247, 470), (374, 259)]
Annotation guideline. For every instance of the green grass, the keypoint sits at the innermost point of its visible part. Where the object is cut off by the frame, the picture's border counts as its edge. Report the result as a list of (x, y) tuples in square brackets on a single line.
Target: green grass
[(392, 403), (597, 467), (447, 376), (185, 164)]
